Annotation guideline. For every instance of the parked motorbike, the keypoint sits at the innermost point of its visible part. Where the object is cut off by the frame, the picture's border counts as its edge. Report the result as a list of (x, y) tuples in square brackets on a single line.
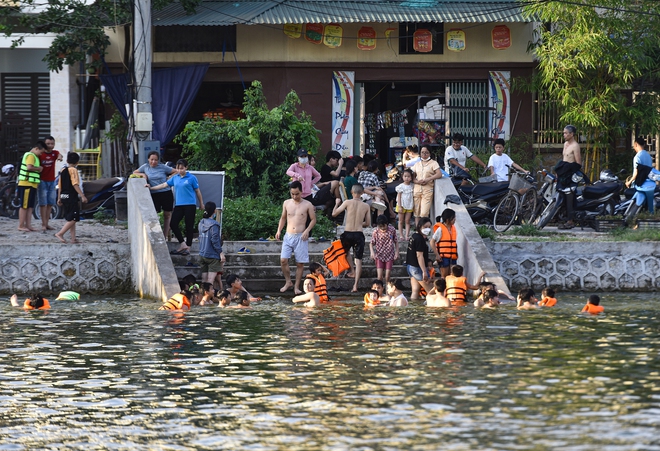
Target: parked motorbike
[(599, 199), (628, 208), (100, 195), (480, 200)]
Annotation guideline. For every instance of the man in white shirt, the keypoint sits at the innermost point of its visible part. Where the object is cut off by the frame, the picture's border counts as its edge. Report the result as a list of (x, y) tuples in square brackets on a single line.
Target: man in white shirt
[(457, 154), (500, 162)]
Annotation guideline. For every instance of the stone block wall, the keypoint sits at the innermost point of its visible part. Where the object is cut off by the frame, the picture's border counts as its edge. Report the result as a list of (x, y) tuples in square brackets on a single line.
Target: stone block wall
[(579, 266), (51, 268)]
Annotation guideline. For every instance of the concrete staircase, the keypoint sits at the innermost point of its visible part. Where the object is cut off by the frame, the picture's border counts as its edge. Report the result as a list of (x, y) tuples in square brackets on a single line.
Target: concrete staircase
[(260, 270)]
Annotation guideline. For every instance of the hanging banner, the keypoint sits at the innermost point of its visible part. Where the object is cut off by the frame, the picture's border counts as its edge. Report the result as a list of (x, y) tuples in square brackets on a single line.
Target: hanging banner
[(333, 35), (314, 33), (343, 87), (500, 99), (366, 38), (456, 40), (422, 40), (501, 36), (293, 30)]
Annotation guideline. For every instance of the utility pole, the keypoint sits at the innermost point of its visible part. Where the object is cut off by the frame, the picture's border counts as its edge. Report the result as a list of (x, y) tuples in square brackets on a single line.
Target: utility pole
[(142, 115)]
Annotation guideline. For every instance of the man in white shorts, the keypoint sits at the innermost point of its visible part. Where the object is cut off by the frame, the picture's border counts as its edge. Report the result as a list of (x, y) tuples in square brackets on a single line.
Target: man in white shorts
[(295, 213)]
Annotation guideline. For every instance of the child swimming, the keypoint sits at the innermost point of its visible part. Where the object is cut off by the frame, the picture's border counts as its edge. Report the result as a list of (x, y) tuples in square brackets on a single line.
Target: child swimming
[(309, 297), (593, 305)]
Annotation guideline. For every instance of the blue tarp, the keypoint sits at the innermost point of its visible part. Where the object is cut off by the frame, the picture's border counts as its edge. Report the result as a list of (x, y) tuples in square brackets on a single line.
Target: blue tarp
[(172, 90)]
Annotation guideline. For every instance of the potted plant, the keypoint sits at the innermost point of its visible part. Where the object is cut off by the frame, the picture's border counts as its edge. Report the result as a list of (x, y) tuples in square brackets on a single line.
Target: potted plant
[(607, 223), (646, 220)]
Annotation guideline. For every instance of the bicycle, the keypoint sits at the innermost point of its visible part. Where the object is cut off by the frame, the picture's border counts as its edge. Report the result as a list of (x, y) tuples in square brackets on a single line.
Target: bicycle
[(10, 202), (519, 204)]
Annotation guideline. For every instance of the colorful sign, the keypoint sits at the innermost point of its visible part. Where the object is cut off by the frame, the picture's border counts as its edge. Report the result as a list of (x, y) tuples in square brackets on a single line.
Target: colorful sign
[(342, 111), (293, 30), (314, 33), (501, 37), (456, 40), (366, 38), (422, 40), (333, 36), (500, 98)]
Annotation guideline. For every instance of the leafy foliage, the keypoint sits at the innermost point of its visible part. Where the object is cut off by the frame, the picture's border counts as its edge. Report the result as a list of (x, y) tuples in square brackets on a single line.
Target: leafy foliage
[(588, 56), (79, 25), (251, 218), (256, 151)]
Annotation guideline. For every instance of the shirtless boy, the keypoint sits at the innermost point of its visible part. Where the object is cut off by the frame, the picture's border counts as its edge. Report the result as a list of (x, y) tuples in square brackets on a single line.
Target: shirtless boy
[(357, 216), (572, 161), (295, 213)]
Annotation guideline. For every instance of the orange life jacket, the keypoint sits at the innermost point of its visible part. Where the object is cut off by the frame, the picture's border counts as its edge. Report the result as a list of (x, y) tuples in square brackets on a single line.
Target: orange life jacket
[(593, 309), (436, 225), (369, 303), (320, 286), (456, 289), (335, 258), (446, 245), (27, 306), (176, 302), (548, 302)]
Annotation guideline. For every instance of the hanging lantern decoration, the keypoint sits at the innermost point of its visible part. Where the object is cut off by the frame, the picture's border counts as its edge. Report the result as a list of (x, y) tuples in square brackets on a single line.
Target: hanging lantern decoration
[(293, 30), (422, 40), (366, 38), (456, 40), (501, 37), (314, 33), (333, 35)]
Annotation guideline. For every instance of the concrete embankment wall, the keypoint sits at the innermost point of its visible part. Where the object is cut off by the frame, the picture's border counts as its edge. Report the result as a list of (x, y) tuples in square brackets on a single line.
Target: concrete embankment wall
[(51, 268), (579, 266), (153, 274)]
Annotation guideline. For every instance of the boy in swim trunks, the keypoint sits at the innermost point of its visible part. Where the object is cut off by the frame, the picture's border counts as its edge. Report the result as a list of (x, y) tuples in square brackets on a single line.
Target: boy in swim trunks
[(357, 217), (295, 213)]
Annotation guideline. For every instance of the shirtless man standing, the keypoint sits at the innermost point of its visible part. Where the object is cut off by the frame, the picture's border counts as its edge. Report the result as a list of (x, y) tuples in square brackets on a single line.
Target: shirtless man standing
[(357, 216), (295, 212), (570, 164)]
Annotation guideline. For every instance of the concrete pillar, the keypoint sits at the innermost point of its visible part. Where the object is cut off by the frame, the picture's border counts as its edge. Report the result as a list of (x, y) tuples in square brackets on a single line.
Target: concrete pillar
[(64, 98)]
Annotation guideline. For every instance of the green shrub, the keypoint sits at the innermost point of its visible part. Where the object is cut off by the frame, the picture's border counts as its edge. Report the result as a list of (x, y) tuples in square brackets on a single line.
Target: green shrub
[(525, 230), (251, 218), (486, 232)]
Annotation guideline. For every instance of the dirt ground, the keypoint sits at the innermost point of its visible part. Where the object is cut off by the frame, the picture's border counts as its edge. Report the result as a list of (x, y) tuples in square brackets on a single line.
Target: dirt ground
[(87, 231)]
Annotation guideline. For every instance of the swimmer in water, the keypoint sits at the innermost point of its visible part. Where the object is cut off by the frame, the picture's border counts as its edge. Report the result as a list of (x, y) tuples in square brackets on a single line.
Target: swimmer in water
[(371, 299), (526, 299), (492, 300), (309, 297), (593, 305), (436, 298), (395, 291), (35, 302), (241, 300), (379, 286)]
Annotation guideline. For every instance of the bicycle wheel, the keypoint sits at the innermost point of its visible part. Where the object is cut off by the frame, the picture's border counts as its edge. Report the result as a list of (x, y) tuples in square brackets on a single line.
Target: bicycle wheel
[(547, 214), (527, 209), (506, 212), (55, 210)]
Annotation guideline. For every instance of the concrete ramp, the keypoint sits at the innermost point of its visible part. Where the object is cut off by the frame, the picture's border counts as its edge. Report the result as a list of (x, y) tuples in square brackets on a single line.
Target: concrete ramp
[(152, 269), (473, 254)]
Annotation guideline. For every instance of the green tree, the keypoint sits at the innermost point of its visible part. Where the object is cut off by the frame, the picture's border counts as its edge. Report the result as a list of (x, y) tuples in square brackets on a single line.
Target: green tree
[(590, 56), (255, 151), (79, 25)]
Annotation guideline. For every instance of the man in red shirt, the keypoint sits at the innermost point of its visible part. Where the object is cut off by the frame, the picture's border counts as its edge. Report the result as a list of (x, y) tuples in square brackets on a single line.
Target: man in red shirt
[(48, 186)]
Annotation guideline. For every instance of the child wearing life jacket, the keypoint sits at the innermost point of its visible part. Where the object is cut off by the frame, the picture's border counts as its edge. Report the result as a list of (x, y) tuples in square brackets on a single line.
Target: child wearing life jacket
[(526, 299), (310, 298), (379, 286), (443, 242), (180, 302), (457, 286), (35, 302), (371, 299), (548, 299), (436, 298), (317, 273), (395, 291), (593, 305)]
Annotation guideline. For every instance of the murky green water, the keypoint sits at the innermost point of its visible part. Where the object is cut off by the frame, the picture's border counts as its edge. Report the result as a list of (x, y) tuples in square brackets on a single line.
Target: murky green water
[(118, 374)]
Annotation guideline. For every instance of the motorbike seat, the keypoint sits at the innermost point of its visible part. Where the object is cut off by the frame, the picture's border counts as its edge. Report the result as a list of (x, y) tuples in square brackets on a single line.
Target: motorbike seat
[(484, 189), (600, 189)]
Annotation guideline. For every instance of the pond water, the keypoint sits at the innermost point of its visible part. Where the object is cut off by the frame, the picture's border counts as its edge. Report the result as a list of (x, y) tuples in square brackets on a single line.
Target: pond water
[(119, 374)]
